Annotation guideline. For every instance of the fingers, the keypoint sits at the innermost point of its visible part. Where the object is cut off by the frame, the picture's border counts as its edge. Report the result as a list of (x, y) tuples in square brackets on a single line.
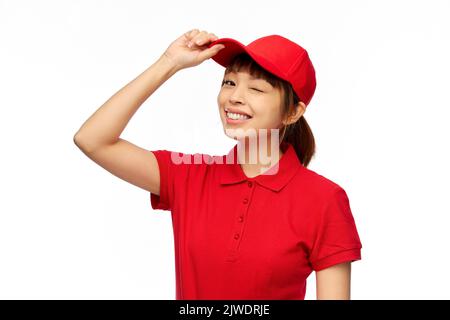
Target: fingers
[(200, 38), (208, 53), (190, 34)]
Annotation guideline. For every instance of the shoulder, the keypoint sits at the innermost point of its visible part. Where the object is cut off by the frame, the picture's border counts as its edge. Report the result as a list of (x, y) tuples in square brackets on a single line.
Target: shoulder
[(317, 186)]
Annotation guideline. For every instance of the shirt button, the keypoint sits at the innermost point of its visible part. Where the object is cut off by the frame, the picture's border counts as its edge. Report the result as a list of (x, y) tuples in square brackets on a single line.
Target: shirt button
[(241, 218), (250, 184), (236, 236), (245, 201)]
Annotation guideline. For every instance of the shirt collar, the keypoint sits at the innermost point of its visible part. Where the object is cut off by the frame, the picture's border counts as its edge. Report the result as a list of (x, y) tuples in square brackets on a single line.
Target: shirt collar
[(288, 165)]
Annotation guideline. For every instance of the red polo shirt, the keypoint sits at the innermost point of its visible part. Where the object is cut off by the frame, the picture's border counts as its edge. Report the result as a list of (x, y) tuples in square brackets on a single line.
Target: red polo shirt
[(252, 238)]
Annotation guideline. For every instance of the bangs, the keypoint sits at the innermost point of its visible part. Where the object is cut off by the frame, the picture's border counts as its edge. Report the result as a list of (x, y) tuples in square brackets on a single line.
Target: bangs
[(244, 63)]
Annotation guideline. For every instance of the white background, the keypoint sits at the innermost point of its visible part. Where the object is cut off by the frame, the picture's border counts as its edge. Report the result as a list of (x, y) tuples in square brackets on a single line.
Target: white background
[(71, 230)]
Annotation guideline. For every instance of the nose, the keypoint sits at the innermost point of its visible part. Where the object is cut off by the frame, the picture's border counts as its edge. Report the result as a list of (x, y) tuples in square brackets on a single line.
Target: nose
[(237, 95)]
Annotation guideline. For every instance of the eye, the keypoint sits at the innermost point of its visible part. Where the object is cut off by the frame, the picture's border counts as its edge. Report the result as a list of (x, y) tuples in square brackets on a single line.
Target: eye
[(226, 81)]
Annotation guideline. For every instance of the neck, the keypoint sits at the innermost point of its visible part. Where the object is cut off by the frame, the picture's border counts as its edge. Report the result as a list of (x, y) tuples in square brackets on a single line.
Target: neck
[(255, 158)]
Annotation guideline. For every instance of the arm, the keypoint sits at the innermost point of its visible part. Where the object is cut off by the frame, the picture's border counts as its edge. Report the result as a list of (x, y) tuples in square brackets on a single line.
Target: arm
[(333, 283), (99, 136)]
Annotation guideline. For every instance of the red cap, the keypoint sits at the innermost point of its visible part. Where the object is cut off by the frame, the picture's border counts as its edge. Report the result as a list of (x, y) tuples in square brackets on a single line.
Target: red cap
[(278, 55)]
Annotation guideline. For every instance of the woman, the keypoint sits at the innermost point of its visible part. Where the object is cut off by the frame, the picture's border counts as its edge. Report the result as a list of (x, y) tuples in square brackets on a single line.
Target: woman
[(252, 224)]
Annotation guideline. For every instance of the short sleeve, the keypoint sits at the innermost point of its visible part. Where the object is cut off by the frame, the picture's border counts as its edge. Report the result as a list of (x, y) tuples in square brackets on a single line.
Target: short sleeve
[(336, 236), (167, 169)]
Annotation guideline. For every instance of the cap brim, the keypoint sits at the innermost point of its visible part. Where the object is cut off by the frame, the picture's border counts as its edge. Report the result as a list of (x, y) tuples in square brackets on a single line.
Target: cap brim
[(233, 48), (225, 55)]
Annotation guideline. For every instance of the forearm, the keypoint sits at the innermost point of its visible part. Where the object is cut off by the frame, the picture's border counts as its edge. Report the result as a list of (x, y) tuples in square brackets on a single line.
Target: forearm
[(108, 122)]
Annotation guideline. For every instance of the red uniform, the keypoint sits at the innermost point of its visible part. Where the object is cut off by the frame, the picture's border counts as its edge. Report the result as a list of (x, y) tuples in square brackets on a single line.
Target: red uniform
[(252, 238)]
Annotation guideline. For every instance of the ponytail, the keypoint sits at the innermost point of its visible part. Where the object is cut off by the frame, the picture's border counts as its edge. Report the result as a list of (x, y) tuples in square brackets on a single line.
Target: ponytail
[(299, 134)]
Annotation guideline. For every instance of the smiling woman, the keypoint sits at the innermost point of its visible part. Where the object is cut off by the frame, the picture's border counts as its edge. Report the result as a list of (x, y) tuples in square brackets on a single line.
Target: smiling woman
[(239, 232)]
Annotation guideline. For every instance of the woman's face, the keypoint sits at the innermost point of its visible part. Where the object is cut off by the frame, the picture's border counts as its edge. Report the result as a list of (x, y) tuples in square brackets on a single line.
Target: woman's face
[(241, 93)]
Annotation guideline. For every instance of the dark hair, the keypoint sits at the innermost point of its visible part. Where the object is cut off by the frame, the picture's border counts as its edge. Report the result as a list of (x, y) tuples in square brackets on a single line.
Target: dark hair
[(298, 134)]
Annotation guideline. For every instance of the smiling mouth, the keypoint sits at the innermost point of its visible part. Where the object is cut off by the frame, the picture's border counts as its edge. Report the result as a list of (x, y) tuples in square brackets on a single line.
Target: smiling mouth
[(236, 116)]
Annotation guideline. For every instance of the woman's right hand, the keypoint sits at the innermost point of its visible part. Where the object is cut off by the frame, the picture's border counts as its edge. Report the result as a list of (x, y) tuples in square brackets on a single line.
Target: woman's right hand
[(191, 49)]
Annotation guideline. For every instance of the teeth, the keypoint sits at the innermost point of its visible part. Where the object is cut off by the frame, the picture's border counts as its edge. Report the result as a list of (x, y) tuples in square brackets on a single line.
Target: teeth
[(236, 116)]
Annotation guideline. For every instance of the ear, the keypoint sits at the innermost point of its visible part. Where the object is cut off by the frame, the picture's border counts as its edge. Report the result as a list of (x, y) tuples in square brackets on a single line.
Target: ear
[(299, 110)]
